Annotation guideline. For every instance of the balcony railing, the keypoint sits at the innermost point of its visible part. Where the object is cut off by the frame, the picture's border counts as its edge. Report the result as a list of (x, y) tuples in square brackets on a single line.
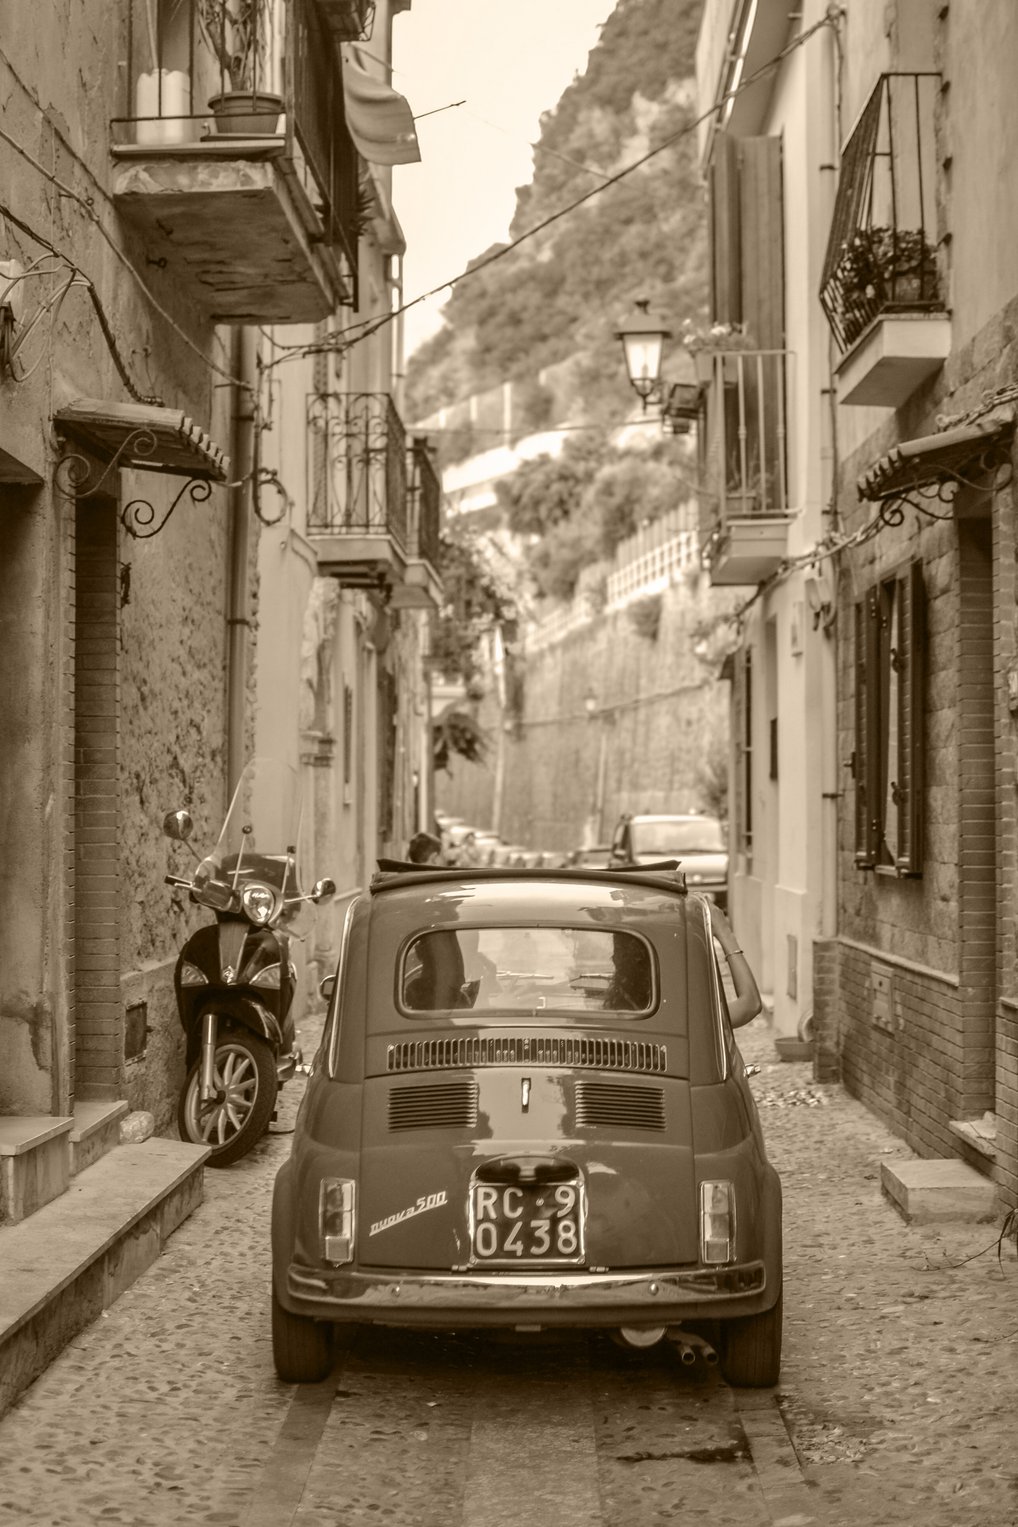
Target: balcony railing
[(882, 253), (745, 434), (244, 77), (358, 464), (425, 503)]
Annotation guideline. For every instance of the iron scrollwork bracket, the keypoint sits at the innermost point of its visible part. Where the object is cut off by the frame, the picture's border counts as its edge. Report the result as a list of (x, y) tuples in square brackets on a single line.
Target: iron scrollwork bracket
[(79, 477), (995, 459), (140, 513)]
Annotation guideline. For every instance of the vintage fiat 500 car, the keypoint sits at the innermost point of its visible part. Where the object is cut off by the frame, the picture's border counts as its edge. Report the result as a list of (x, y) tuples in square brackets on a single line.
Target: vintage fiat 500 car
[(528, 1111)]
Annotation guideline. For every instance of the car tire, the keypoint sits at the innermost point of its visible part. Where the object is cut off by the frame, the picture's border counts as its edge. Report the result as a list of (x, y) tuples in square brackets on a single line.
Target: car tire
[(301, 1347), (751, 1349), (245, 1066)]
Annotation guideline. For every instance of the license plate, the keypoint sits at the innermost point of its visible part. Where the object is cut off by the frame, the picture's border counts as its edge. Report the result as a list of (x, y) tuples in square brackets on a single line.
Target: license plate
[(531, 1222)]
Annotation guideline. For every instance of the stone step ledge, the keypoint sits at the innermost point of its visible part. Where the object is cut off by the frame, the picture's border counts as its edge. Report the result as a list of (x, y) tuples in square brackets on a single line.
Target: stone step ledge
[(926, 1192), (74, 1257)]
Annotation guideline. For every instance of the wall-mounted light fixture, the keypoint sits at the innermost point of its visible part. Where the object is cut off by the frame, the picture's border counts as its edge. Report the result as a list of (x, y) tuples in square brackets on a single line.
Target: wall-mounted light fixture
[(643, 341)]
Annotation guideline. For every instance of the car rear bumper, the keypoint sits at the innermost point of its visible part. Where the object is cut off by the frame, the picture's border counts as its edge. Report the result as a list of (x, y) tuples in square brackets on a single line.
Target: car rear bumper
[(549, 1299)]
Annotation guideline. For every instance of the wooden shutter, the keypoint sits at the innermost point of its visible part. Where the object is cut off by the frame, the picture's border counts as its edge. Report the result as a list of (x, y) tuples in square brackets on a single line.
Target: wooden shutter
[(911, 720), (725, 244), (867, 729), (762, 242)]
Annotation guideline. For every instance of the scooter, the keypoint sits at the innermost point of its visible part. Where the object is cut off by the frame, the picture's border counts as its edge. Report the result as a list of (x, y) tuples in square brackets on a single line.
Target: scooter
[(234, 979)]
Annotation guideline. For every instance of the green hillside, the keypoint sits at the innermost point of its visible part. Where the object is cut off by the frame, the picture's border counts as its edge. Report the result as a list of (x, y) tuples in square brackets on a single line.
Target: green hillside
[(558, 297)]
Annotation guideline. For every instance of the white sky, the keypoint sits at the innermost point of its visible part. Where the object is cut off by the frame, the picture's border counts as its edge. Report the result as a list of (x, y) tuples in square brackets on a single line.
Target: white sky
[(509, 60)]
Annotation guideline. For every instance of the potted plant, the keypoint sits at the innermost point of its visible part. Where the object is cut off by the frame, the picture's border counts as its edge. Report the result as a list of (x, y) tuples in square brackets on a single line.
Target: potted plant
[(243, 35), (704, 343)]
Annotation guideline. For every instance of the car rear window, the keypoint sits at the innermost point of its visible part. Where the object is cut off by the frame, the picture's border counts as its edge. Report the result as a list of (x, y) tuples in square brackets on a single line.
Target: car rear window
[(690, 835), (532, 970)]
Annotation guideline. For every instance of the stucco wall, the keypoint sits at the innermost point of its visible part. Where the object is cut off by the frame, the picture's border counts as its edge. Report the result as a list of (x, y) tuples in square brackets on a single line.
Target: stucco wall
[(659, 712), (58, 102)]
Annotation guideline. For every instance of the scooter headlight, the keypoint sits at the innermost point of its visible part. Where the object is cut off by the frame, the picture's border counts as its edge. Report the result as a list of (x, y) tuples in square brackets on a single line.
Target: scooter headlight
[(190, 975), (717, 1222), (335, 1218), (259, 903)]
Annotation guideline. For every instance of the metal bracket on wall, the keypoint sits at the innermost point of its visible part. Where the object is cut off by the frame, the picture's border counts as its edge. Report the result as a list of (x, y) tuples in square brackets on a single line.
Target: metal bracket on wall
[(80, 476)]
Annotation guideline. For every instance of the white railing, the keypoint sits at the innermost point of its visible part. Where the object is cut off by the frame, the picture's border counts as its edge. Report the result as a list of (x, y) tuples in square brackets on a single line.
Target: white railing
[(655, 571)]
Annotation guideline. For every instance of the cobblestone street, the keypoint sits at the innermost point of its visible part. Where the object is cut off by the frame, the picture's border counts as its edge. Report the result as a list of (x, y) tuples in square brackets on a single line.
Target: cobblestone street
[(897, 1400)]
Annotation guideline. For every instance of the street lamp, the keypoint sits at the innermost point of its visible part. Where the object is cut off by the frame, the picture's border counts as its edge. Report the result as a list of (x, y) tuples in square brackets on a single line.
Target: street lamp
[(643, 340)]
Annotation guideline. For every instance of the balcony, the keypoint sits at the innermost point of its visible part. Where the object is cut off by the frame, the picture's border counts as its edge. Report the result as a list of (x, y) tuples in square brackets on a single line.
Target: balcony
[(882, 287), (357, 498), (744, 510), (422, 586), (233, 160)]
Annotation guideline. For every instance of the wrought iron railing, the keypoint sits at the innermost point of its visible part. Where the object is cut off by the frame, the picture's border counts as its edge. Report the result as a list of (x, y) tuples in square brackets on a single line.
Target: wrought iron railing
[(744, 439), (232, 70), (358, 466), (882, 252), (425, 503)]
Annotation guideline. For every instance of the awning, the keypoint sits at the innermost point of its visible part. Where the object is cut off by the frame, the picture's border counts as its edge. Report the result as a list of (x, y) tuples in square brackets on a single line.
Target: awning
[(380, 121), (150, 439), (917, 463)]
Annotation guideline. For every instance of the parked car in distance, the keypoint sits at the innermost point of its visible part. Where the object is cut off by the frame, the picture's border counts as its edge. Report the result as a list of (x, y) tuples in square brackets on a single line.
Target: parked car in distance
[(696, 840), (528, 1112), (593, 858)]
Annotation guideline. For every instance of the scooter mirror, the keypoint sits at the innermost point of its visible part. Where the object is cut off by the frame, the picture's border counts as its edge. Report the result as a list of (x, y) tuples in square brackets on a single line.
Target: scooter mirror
[(323, 890), (178, 825)]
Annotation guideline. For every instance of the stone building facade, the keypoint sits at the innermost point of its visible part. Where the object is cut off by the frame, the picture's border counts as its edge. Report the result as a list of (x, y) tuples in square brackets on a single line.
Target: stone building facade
[(908, 314), (145, 255)]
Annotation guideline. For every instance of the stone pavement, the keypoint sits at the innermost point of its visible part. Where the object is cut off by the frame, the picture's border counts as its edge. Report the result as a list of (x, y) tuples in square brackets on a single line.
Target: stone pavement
[(900, 1374), (899, 1387)]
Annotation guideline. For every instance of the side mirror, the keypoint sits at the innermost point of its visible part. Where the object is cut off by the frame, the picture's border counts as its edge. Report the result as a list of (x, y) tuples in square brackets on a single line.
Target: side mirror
[(178, 825), (323, 890), (326, 987)]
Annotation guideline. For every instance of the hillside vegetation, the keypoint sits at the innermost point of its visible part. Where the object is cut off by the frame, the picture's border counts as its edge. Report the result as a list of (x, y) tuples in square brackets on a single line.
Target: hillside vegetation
[(558, 297)]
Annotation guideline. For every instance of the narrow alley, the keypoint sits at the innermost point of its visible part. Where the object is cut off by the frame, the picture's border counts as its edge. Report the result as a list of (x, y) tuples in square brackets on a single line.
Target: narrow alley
[(896, 1403)]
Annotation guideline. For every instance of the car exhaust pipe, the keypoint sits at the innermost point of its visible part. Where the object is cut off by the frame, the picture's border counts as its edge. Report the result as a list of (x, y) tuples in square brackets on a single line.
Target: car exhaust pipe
[(690, 1347)]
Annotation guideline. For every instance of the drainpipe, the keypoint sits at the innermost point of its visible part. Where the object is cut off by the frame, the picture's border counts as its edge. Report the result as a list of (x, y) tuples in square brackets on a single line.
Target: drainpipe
[(245, 352)]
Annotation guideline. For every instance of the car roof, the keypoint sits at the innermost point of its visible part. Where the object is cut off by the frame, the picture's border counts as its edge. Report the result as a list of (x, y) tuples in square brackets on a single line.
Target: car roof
[(503, 892)]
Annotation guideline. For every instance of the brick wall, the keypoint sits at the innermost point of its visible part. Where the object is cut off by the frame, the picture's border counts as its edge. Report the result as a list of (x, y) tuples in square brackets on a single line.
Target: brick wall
[(946, 942), (98, 1014)]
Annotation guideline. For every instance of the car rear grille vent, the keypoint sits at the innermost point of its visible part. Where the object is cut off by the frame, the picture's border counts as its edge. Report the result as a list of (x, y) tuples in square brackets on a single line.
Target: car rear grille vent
[(611, 1106), (438, 1105), (512, 1050)]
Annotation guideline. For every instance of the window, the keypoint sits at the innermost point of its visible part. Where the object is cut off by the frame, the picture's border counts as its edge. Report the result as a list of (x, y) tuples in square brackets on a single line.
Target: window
[(536, 971), (889, 724)]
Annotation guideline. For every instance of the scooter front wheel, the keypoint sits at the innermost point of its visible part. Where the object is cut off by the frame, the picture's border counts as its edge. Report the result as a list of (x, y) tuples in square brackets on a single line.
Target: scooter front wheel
[(238, 1115)]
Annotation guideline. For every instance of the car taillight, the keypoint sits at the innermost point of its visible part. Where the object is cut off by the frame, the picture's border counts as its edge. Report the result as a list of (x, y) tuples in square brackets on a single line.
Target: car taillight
[(335, 1218), (717, 1222)]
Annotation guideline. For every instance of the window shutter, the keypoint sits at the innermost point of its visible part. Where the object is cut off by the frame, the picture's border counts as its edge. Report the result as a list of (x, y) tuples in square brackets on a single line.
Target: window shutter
[(867, 729), (911, 720), (725, 261), (762, 241)]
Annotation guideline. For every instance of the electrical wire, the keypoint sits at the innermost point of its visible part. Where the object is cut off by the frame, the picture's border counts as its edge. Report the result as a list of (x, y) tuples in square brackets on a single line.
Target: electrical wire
[(370, 326)]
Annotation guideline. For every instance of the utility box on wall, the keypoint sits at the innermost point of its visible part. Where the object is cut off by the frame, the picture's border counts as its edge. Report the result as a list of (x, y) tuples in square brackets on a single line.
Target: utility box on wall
[(882, 996)]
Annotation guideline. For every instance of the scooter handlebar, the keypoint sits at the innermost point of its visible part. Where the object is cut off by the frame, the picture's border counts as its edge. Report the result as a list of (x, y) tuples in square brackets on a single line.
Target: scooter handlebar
[(177, 880)]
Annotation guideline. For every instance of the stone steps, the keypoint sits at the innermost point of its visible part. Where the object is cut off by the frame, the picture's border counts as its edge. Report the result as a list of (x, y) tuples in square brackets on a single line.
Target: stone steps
[(67, 1260)]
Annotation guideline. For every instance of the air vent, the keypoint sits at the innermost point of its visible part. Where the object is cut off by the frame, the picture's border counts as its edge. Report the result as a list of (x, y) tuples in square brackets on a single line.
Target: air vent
[(438, 1105), (612, 1106), (513, 1050)]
